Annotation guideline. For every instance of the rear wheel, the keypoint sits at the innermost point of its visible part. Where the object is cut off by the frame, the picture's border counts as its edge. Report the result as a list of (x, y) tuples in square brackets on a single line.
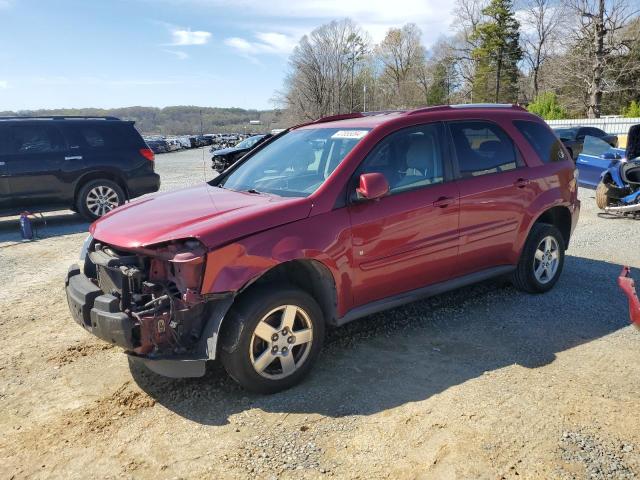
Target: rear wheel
[(603, 198), (541, 260), (274, 338), (98, 197)]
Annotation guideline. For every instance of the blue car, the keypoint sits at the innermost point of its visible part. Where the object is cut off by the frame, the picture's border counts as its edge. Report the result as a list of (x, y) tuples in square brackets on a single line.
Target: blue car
[(596, 158)]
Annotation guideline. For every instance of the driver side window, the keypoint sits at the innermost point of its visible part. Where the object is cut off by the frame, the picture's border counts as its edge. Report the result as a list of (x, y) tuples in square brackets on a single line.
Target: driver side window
[(410, 158)]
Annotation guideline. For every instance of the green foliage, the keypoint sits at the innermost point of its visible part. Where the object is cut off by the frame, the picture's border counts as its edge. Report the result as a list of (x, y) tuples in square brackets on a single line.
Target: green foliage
[(546, 106), (440, 89), (633, 110), (179, 119), (497, 54)]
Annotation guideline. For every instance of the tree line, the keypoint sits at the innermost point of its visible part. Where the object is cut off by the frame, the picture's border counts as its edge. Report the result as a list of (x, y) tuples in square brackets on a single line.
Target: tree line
[(177, 120), (562, 59)]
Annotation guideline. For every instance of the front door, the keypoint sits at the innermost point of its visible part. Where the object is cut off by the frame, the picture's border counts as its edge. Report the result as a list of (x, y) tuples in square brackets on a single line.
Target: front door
[(409, 238)]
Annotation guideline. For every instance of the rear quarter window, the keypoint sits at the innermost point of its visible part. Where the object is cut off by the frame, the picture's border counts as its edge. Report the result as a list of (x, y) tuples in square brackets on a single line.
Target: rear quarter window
[(544, 142), (117, 135)]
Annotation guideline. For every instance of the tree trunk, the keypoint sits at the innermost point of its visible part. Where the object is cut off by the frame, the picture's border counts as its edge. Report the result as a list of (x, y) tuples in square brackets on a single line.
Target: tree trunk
[(498, 75), (595, 89)]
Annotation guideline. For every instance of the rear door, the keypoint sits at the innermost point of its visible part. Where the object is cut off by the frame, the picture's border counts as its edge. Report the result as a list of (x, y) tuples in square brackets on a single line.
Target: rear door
[(495, 191), (409, 238), (36, 163)]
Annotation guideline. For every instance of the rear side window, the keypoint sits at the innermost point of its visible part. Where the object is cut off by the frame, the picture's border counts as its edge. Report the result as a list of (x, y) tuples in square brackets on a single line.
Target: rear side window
[(35, 139), (482, 148), (93, 137), (543, 141), (110, 135)]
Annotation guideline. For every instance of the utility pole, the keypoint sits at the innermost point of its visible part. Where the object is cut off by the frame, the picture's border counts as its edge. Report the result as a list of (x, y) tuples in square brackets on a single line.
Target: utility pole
[(364, 96)]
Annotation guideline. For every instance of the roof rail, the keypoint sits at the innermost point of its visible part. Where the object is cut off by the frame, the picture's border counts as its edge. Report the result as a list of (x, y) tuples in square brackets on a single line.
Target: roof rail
[(462, 106), (381, 112), (435, 108), (59, 117), (487, 105), (342, 116)]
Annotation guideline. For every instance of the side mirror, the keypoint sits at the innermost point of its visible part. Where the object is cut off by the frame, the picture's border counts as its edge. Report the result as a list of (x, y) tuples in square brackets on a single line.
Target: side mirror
[(372, 186)]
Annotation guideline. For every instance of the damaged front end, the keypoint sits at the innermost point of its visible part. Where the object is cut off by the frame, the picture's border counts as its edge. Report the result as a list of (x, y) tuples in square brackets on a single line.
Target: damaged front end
[(626, 283), (148, 302)]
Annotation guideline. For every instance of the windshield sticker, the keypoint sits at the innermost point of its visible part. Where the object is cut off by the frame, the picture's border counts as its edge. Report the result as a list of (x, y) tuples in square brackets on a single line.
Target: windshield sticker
[(353, 134)]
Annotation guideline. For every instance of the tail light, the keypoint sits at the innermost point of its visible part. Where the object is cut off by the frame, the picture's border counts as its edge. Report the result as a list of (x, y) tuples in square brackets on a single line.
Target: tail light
[(148, 154)]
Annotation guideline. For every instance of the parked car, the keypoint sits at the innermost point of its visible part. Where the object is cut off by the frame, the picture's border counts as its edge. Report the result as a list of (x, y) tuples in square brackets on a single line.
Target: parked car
[(573, 138), (88, 164), (158, 145), (184, 142), (221, 159), (596, 158), (253, 266)]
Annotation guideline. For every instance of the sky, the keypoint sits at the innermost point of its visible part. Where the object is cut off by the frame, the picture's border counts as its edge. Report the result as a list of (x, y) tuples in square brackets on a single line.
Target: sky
[(217, 53)]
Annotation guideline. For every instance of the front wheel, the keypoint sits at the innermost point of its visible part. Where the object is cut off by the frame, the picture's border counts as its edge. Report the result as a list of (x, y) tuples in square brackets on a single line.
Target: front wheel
[(603, 197), (274, 337), (541, 260)]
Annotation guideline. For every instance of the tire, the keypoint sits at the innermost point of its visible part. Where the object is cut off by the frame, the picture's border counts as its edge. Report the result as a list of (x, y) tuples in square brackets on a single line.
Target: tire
[(243, 350), (97, 197), (602, 195), (571, 154), (525, 277)]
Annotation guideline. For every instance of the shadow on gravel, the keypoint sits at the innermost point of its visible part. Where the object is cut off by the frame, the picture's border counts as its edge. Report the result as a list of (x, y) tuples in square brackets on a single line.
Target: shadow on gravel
[(53, 224), (411, 353)]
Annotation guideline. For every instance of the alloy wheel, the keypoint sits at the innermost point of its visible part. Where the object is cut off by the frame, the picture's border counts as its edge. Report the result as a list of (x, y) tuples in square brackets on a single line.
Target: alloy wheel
[(101, 200), (546, 259), (281, 342)]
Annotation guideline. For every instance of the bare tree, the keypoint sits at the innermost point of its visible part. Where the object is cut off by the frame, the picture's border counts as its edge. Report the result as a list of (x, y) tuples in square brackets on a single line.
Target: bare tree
[(468, 15), (321, 68), (598, 41), (402, 55), (541, 20)]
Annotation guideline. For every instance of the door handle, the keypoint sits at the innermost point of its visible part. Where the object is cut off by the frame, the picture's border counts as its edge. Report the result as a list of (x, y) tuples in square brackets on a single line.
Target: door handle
[(74, 157), (2, 164), (522, 182), (443, 202)]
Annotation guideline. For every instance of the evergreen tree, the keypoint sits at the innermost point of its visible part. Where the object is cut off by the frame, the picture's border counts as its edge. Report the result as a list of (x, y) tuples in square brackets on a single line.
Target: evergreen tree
[(497, 54)]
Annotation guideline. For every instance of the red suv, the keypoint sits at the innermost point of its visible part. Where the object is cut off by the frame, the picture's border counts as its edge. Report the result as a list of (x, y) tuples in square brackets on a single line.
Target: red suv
[(325, 223)]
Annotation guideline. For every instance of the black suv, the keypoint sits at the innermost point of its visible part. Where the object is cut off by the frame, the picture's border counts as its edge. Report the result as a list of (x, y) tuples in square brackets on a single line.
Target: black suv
[(88, 164)]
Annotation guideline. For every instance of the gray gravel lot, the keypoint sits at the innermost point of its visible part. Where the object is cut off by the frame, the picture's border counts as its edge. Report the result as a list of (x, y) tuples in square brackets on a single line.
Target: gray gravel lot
[(483, 382)]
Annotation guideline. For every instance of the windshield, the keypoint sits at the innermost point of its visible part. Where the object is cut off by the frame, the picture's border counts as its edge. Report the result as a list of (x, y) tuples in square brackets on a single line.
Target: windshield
[(596, 147), (249, 142), (567, 133), (296, 164)]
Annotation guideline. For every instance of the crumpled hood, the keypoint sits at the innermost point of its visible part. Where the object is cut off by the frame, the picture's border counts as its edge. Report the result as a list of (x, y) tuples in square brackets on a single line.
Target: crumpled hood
[(225, 151), (211, 214)]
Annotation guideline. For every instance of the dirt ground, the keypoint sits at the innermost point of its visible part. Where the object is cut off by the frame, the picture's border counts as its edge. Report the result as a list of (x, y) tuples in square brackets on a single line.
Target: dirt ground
[(484, 382)]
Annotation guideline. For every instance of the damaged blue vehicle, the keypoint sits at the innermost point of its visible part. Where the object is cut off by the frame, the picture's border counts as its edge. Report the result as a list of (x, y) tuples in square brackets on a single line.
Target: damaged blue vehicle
[(618, 191)]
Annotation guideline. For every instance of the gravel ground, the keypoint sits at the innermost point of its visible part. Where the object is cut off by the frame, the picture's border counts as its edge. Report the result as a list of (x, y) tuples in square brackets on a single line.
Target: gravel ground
[(483, 382)]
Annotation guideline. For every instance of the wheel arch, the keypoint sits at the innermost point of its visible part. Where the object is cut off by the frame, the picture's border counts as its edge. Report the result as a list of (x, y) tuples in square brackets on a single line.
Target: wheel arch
[(560, 217), (100, 175), (310, 275)]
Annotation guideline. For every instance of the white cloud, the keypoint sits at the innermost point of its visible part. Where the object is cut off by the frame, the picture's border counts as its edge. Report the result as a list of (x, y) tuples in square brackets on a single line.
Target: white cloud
[(266, 42), (188, 37), (180, 55), (434, 17), (4, 84)]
